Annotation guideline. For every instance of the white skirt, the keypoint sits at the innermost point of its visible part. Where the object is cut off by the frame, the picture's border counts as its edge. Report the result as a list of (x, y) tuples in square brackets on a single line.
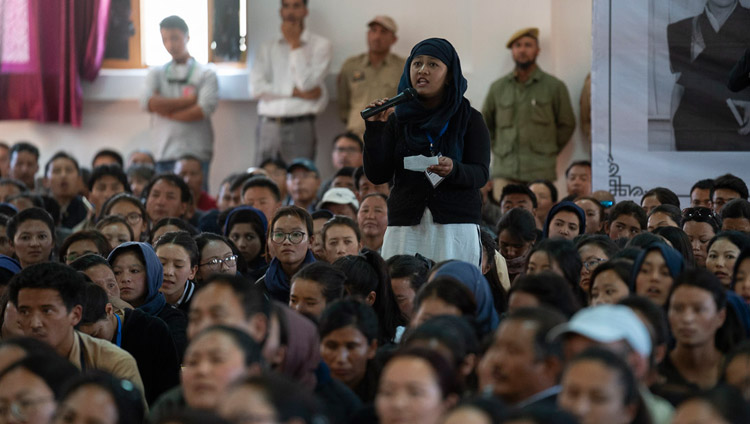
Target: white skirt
[(439, 242)]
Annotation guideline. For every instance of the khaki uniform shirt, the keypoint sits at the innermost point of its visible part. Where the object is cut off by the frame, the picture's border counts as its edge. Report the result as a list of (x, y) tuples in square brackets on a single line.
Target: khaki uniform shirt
[(529, 124), (105, 356), (359, 83)]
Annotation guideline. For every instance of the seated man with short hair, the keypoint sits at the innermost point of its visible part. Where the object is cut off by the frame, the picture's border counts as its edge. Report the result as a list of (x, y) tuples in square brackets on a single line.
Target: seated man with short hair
[(49, 299)]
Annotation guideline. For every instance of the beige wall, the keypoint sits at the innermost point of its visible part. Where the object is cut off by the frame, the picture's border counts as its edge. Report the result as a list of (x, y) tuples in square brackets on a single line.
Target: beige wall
[(478, 29)]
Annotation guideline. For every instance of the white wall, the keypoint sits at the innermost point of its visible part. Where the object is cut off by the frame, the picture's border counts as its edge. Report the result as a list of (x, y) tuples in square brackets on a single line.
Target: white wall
[(478, 29)]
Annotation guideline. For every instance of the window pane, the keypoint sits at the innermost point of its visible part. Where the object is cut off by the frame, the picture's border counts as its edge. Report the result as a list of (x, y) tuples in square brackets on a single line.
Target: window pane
[(194, 13)]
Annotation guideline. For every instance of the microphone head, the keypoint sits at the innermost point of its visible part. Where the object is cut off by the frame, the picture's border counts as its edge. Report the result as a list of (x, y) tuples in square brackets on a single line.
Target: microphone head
[(410, 93)]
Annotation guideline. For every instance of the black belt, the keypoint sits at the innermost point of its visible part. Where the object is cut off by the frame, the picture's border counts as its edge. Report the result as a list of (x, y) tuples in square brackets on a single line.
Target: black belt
[(287, 119)]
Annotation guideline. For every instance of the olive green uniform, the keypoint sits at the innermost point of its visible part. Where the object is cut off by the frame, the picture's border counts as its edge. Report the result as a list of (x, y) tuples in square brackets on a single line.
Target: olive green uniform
[(529, 124)]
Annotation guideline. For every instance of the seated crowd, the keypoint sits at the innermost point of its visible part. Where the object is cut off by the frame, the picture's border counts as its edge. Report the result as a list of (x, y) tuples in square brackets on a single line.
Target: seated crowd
[(128, 296)]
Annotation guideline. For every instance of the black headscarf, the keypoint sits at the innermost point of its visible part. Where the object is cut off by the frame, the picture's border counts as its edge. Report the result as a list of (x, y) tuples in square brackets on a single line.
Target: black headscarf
[(455, 108)]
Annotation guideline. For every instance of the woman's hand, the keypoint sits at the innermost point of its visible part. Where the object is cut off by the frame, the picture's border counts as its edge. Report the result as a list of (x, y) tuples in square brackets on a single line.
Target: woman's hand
[(443, 168), (382, 116)]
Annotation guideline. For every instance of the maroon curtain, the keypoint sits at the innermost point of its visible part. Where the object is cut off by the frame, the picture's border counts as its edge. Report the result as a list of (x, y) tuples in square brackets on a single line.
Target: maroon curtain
[(47, 46)]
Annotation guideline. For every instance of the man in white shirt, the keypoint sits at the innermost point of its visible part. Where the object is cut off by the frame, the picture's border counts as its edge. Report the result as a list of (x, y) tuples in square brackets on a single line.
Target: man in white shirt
[(288, 79), (182, 95)]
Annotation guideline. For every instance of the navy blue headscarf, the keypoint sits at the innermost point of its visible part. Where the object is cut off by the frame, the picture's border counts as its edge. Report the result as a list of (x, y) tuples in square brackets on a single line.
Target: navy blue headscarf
[(471, 277), (565, 206), (672, 258), (455, 110), (155, 301)]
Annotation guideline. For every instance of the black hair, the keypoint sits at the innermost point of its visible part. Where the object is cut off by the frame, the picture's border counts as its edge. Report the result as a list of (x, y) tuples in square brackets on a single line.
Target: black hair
[(276, 161), (140, 172), (673, 211), (458, 334), (725, 337), (349, 312), (701, 214), (24, 146), (358, 173), (186, 196), (599, 240), (629, 207), (415, 268), (89, 260), (322, 214), (202, 239), (14, 182), (564, 253), (707, 184), (658, 326), (736, 208), (51, 205), (347, 171), (550, 289), (115, 219), (451, 291), (50, 275), (621, 267), (182, 239), (112, 171), (247, 216), (544, 321), (29, 214), (329, 277), (444, 372), (741, 240), (644, 240), (251, 297), (35, 199), (366, 273), (30, 346), (174, 22), (94, 304), (541, 415), (263, 182), (343, 221), (518, 189), (577, 163), (125, 197), (126, 396), (251, 350), (664, 195), (730, 182), (96, 237), (241, 179), (177, 222), (296, 212), (627, 380), (489, 247), (550, 186), (56, 371), (61, 155), (290, 402), (680, 242), (520, 223), (111, 153), (726, 401), (351, 136)]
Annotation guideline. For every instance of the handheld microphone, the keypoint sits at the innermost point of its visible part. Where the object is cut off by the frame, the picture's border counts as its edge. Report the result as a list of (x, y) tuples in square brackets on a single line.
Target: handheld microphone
[(402, 97)]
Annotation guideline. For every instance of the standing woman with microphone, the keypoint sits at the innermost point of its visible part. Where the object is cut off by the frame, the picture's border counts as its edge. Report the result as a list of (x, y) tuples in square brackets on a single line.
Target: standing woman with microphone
[(436, 150)]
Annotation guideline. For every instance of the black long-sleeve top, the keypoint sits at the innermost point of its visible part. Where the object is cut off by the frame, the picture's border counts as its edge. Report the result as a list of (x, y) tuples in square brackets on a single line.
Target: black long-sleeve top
[(456, 200)]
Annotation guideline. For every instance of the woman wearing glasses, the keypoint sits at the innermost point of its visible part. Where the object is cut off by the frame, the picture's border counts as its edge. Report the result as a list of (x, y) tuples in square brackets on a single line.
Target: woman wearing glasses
[(130, 208), (217, 255), (289, 245), (701, 225)]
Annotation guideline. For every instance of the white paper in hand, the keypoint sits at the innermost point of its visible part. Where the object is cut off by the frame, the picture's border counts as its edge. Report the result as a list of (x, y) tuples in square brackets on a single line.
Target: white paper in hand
[(419, 163)]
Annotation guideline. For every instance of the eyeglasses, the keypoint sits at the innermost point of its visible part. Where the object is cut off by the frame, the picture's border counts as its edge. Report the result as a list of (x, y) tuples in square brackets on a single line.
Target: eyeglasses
[(20, 409), (295, 237), (70, 257), (216, 262), (593, 263), (133, 218)]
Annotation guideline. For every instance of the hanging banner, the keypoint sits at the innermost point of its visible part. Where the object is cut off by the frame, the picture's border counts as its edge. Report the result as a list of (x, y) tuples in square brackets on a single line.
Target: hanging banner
[(662, 115)]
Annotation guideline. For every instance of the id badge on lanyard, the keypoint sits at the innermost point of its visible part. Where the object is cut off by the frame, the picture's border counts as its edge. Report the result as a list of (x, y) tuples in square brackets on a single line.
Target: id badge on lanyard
[(434, 178)]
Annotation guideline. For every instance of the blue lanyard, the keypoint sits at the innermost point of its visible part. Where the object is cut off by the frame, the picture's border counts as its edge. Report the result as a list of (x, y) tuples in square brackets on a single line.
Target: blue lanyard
[(432, 142), (118, 339)]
